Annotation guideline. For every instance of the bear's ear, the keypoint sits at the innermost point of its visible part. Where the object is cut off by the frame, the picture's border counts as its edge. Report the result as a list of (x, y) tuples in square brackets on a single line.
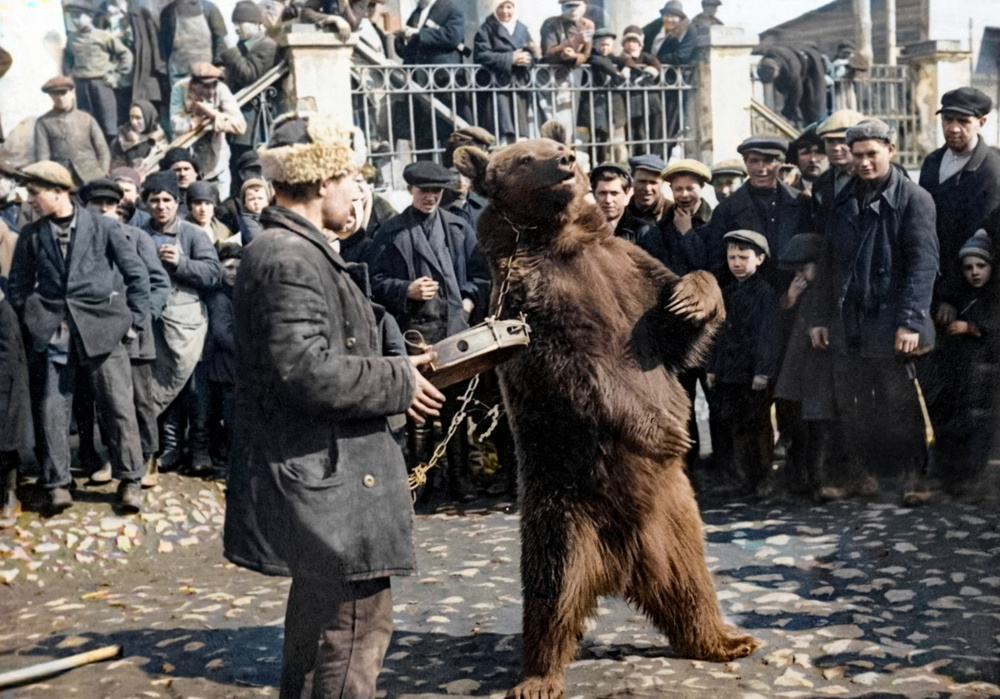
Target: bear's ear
[(556, 131), (472, 162)]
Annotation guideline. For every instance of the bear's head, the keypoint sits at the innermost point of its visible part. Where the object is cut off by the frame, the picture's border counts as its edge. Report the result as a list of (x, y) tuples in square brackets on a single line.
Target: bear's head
[(527, 182)]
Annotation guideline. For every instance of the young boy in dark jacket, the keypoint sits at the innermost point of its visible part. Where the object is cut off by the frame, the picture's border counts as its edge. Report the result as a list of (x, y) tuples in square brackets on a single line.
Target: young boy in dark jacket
[(742, 365)]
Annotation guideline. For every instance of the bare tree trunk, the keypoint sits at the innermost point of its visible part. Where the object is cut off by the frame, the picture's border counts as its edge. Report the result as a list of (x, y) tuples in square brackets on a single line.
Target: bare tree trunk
[(864, 57)]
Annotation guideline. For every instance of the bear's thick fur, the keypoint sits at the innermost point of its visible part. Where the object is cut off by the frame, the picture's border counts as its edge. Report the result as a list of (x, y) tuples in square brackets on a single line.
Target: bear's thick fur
[(599, 417)]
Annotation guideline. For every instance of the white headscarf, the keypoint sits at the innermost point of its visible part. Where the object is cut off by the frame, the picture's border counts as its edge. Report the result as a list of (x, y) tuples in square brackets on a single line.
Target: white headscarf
[(509, 26)]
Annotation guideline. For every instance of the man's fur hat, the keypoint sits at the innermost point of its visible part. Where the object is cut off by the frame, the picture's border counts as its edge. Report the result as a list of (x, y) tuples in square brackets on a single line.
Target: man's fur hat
[(307, 149)]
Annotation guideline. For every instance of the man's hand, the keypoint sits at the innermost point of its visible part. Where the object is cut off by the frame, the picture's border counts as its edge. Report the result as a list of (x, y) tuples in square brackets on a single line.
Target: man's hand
[(204, 109), (906, 340), (759, 382), (569, 52), (468, 306), (522, 58), (426, 400), (820, 337), (170, 254), (946, 314), (422, 289), (340, 26), (682, 219), (958, 327)]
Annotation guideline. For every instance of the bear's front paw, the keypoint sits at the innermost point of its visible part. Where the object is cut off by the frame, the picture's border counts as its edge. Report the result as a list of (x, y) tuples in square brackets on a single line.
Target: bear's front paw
[(538, 688), (734, 648), (697, 298)]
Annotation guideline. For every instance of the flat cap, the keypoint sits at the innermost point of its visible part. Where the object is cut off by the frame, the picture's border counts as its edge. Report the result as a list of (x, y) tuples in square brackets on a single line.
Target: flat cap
[(979, 245), (127, 174), (302, 150), (802, 248), (734, 167), (765, 145), (47, 173), (653, 163), (752, 237), (870, 130), (204, 72), (616, 168), (101, 188), (604, 33), (429, 175), (176, 155), (60, 82), (966, 100), (247, 11), (674, 7), (633, 31), (163, 181), (837, 124), (688, 166), (202, 191), (248, 161)]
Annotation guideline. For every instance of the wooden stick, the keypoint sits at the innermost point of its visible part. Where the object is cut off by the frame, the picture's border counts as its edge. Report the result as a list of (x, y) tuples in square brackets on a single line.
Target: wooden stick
[(37, 672)]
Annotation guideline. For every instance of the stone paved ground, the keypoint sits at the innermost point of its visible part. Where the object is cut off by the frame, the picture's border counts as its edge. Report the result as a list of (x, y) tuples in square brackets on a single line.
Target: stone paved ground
[(853, 599)]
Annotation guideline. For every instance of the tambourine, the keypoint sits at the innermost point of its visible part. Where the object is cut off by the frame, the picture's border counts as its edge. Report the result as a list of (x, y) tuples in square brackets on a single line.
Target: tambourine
[(470, 352)]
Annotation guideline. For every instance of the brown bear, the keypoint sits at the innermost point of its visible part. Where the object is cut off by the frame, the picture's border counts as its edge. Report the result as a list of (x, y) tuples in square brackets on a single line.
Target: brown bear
[(598, 414)]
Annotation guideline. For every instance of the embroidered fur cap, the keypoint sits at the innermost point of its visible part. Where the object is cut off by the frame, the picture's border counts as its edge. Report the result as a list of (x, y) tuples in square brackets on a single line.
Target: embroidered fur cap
[(305, 150)]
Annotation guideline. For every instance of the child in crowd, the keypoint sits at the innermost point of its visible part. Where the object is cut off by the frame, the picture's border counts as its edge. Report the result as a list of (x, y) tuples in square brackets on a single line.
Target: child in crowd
[(805, 383), (741, 366), (219, 356), (965, 371), (256, 196), (202, 199)]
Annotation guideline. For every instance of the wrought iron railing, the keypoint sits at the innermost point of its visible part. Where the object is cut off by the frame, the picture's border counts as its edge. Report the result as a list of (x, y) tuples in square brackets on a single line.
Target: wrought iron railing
[(643, 113)]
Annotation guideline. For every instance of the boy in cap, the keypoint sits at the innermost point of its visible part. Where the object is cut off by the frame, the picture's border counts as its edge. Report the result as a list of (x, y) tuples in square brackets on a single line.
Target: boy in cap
[(70, 136), (742, 364), (674, 241), (963, 177), (64, 283), (311, 385), (727, 177), (427, 270), (646, 115)]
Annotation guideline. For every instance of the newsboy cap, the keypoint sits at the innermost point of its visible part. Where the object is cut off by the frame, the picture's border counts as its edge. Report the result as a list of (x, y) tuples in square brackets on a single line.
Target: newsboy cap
[(247, 11), (870, 130), (46, 173), (733, 168), (751, 237), (966, 100), (60, 82), (205, 72), (802, 248), (688, 166), (126, 174), (101, 188), (426, 174), (653, 163), (604, 33), (837, 124), (774, 146), (163, 181), (674, 7)]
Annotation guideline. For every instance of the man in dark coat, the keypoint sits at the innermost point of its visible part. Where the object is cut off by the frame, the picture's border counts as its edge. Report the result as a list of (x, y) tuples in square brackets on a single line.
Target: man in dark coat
[(962, 176), (782, 66), (64, 284), (141, 35), (670, 38), (648, 202), (763, 204), (427, 270), (69, 136), (612, 187), (675, 241), (16, 432), (190, 31), (828, 185), (317, 485), (432, 35), (567, 38), (874, 315)]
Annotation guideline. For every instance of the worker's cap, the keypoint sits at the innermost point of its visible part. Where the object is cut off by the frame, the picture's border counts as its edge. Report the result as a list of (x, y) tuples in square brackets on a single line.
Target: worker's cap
[(426, 174), (734, 168), (837, 124), (688, 166), (967, 101), (653, 163), (46, 173), (202, 191), (870, 130), (802, 248), (774, 146), (101, 188), (750, 237), (60, 83)]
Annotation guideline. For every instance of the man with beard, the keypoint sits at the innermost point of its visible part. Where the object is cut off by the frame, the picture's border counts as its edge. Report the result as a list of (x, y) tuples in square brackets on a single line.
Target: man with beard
[(612, 186), (648, 201), (828, 185)]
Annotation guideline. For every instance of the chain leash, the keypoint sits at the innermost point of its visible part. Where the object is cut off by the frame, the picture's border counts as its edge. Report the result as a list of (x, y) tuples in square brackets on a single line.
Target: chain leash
[(418, 476)]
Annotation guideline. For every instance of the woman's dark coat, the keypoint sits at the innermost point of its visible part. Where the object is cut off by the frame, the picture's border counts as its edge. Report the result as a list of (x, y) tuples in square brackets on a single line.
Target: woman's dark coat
[(402, 252), (317, 486), (16, 432), (494, 49)]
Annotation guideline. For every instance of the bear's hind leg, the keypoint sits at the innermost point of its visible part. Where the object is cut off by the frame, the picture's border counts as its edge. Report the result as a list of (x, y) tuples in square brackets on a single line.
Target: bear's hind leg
[(673, 586), (553, 623)]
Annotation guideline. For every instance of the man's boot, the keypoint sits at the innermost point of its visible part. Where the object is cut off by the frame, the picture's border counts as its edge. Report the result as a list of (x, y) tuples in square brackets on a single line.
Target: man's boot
[(171, 431), (10, 506), (128, 499), (152, 476), (460, 485)]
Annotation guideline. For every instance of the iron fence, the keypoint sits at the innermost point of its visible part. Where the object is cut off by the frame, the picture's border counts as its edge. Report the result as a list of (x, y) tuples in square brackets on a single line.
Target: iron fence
[(407, 112)]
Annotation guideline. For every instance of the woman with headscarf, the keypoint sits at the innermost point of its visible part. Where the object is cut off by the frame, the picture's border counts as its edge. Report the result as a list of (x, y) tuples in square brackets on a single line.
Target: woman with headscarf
[(137, 137), (504, 47)]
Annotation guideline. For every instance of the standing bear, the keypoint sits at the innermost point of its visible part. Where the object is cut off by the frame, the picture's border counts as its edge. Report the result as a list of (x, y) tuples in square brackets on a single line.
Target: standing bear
[(598, 415)]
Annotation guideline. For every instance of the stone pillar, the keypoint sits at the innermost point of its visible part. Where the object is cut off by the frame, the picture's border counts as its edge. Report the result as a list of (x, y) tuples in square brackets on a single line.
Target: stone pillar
[(723, 91), (320, 70), (937, 66)]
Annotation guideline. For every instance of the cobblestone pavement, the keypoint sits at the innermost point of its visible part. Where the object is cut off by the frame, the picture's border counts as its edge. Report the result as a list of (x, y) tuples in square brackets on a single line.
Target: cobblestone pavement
[(852, 599)]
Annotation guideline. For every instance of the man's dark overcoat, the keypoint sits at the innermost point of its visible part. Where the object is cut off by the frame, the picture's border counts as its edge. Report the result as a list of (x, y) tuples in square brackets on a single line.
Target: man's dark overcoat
[(437, 45), (45, 289), (317, 485), (144, 347), (16, 430), (673, 51), (402, 252), (962, 201)]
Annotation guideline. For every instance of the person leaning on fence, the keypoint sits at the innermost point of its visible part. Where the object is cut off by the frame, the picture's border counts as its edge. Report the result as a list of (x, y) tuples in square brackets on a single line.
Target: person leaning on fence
[(963, 177), (311, 381), (670, 38), (874, 317), (645, 114), (504, 47), (602, 109), (567, 38), (138, 137)]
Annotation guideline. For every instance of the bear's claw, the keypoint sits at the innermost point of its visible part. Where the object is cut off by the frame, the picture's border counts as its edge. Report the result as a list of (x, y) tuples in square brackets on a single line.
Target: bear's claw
[(538, 688), (696, 297)]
